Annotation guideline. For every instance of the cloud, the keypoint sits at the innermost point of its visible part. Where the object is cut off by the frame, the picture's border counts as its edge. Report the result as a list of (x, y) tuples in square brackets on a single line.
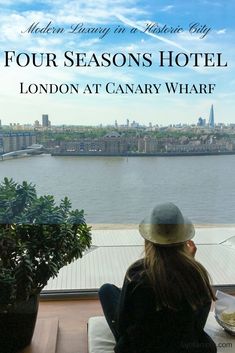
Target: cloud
[(134, 24), (17, 18), (167, 8), (19, 15), (221, 31), (213, 3)]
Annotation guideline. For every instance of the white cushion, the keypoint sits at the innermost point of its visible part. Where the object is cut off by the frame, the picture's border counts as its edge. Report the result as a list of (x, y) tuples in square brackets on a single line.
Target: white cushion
[(101, 340)]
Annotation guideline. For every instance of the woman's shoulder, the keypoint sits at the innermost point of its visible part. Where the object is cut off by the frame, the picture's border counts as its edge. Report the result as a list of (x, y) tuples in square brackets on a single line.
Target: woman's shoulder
[(136, 270), (137, 265)]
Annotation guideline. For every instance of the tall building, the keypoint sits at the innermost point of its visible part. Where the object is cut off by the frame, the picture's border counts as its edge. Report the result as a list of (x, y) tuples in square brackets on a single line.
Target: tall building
[(36, 124), (201, 122), (45, 120), (211, 122)]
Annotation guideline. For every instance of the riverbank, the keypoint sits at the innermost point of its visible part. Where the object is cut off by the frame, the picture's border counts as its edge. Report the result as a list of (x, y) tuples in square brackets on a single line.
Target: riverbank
[(137, 154), (14, 155)]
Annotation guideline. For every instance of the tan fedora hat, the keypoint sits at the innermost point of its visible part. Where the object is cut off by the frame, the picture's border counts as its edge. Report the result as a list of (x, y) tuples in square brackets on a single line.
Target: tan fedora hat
[(166, 225)]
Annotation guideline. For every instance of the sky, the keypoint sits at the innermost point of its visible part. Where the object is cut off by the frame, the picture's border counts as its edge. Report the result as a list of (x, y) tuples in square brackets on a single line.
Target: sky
[(88, 107)]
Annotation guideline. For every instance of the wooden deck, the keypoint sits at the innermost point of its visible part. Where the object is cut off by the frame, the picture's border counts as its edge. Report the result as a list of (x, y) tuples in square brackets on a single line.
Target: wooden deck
[(45, 336), (72, 319), (62, 326)]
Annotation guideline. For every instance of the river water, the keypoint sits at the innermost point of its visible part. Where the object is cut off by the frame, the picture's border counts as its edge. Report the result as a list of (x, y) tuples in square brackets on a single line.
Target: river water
[(121, 190)]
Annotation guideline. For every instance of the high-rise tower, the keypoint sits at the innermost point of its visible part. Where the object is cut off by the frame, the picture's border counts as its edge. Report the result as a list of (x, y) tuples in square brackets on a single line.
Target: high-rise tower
[(45, 120), (211, 118)]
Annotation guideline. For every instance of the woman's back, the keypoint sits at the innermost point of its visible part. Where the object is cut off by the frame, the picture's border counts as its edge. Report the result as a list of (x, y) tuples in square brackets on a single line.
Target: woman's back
[(146, 326), (166, 297)]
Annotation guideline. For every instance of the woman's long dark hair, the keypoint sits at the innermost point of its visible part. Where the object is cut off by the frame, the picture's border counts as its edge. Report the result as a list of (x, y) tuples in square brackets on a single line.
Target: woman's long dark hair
[(176, 276)]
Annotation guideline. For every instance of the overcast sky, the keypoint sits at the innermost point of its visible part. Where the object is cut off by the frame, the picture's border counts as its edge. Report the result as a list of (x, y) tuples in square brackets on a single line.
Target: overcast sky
[(162, 108)]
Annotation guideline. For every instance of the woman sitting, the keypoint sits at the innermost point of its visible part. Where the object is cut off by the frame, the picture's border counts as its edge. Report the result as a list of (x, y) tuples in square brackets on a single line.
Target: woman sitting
[(166, 296)]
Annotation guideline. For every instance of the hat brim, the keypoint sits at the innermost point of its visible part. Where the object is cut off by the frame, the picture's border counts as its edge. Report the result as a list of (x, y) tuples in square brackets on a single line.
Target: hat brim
[(184, 232)]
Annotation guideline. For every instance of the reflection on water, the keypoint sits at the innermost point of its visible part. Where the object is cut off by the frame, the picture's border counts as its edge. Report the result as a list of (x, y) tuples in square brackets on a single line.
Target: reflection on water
[(121, 190)]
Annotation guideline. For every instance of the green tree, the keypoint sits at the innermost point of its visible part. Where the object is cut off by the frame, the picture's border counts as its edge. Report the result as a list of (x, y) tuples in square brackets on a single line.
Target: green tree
[(37, 238)]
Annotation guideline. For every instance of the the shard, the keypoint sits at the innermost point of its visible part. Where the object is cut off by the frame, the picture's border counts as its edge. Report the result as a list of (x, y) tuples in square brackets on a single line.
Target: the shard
[(211, 122)]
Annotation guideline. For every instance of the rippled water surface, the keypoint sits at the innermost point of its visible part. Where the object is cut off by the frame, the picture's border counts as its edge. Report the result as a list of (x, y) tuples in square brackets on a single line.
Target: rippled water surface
[(121, 190)]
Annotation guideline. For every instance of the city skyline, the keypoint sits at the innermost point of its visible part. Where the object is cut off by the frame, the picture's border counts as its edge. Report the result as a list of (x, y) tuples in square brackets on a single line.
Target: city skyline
[(201, 122), (93, 109)]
